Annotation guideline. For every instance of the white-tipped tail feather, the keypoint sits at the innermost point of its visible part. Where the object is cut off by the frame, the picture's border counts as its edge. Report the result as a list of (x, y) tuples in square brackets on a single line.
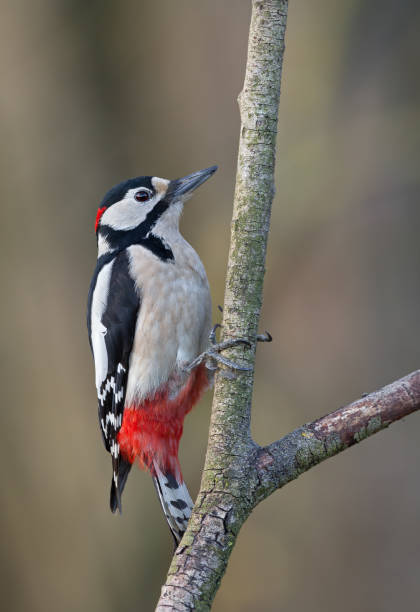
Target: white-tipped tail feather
[(175, 501)]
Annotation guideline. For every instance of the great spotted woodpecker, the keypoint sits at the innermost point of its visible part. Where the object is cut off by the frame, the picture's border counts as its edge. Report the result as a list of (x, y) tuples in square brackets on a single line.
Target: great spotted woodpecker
[(149, 318)]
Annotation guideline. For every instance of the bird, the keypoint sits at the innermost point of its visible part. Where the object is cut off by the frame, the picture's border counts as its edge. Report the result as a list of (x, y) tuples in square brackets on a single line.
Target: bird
[(149, 325)]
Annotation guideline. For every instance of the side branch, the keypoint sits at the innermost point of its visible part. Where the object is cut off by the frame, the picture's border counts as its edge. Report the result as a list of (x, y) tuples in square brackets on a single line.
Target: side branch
[(297, 452)]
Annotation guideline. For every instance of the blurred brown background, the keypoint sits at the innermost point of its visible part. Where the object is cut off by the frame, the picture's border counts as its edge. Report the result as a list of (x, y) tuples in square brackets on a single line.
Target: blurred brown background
[(96, 92)]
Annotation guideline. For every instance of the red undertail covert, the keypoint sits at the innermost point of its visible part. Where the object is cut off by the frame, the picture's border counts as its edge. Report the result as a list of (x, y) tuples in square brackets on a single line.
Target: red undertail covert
[(151, 431)]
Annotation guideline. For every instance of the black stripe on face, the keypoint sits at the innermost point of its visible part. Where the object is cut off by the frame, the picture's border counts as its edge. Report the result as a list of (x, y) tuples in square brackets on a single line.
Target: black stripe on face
[(142, 234), (117, 193)]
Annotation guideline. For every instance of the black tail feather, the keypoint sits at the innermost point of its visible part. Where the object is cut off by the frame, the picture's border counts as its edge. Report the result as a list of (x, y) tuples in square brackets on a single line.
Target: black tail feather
[(124, 468)]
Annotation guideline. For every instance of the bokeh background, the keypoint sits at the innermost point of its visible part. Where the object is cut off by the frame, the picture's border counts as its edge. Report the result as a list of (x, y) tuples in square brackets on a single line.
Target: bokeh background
[(95, 92)]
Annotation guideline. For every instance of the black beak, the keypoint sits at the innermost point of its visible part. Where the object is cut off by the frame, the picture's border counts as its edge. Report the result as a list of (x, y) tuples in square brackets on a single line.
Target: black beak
[(183, 187)]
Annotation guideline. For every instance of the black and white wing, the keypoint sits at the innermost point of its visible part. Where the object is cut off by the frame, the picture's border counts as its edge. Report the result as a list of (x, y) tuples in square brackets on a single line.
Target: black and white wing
[(113, 305)]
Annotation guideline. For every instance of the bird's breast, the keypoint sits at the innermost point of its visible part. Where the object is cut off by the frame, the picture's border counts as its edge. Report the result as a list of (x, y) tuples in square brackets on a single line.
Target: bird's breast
[(173, 322)]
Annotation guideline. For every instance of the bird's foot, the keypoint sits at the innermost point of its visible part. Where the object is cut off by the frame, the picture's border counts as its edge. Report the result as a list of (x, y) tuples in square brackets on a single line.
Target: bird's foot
[(213, 358)]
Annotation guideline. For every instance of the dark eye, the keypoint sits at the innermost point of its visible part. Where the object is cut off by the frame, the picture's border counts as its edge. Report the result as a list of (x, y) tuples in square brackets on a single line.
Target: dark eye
[(142, 195)]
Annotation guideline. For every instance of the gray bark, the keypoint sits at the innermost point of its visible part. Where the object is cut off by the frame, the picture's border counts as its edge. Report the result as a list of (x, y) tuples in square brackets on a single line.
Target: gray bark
[(224, 500), (238, 474)]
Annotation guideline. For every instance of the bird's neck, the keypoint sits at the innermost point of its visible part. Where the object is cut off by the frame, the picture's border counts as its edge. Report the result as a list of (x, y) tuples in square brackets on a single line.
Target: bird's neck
[(159, 238)]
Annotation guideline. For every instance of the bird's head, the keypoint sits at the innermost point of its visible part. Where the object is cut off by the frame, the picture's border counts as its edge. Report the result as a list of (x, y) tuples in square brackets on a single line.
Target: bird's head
[(133, 210)]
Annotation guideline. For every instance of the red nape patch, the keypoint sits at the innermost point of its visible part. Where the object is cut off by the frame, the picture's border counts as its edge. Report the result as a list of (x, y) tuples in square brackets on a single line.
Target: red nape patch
[(151, 432), (98, 216)]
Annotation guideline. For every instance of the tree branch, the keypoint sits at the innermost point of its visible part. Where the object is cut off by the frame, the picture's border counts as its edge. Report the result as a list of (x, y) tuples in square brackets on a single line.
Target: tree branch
[(225, 501), (298, 451), (238, 474)]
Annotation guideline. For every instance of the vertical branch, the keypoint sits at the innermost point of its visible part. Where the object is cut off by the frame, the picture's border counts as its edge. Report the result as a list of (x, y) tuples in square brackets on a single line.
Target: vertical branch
[(226, 497), (258, 104)]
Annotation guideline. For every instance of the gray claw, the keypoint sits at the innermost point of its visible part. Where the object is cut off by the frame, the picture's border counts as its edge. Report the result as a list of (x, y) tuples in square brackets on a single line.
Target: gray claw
[(212, 334), (265, 337)]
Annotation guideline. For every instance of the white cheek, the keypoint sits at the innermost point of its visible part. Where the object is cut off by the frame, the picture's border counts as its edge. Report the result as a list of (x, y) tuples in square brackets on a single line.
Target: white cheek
[(124, 215)]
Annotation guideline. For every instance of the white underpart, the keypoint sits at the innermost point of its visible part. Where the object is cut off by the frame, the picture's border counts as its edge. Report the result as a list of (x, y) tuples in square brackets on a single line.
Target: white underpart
[(98, 330), (175, 315)]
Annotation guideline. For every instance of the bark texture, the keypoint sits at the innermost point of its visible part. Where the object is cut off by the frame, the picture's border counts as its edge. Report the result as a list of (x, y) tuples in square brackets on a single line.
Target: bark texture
[(238, 474), (284, 460), (224, 500)]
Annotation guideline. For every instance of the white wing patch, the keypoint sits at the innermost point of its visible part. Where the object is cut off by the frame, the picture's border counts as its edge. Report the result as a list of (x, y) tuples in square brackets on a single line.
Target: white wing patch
[(98, 333)]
